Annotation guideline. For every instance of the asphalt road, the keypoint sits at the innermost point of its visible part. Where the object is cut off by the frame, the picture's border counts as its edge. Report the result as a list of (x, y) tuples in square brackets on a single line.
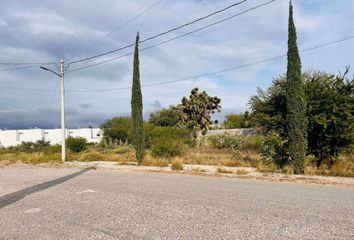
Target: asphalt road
[(43, 203)]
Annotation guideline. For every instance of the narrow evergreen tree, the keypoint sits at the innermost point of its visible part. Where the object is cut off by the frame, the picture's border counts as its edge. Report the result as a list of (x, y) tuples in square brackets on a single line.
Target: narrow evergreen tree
[(296, 122), (137, 108)]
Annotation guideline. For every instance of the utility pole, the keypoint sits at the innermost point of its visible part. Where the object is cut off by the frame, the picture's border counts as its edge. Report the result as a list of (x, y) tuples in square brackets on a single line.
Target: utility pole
[(62, 103), (62, 95)]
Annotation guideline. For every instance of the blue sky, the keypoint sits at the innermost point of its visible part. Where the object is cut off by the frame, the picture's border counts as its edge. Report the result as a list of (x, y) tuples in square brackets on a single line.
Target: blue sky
[(37, 31)]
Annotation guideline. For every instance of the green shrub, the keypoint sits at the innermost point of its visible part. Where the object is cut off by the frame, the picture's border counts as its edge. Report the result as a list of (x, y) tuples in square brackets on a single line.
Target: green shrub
[(272, 150), (155, 135), (236, 142), (77, 144), (30, 147), (167, 149), (118, 129), (52, 149), (227, 141), (166, 142), (124, 149), (254, 143)]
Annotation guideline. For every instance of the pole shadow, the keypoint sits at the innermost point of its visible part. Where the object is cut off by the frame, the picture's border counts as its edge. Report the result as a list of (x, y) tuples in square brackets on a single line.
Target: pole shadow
[(17, 196)]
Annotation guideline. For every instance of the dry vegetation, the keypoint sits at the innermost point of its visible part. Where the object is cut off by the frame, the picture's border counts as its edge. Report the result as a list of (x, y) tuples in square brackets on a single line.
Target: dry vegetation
[(125, 154)]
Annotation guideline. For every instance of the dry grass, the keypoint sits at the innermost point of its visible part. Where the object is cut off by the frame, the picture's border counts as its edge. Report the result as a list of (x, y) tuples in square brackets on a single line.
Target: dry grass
[(343, 167), (219, 157), (197, 169), (206, 157), (241, 172), (149, 160), (30, 158), (223, 170), (176, 165)]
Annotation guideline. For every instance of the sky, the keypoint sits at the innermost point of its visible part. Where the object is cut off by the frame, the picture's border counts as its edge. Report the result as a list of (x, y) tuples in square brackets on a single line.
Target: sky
[(47, 31)]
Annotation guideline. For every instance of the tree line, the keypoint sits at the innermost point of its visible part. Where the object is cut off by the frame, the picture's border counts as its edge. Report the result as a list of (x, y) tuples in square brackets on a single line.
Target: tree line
[(301, 113)]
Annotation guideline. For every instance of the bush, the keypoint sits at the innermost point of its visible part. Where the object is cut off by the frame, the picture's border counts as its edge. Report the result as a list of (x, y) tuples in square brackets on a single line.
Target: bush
[(167, 149), (31, 146), (52, 149), (164, 117), (77, 144), (155, 135), (272, 150), (236, 142), (254, 143), (124, 149), (118, 129), (176, 166), (227, 141), (166, 142)]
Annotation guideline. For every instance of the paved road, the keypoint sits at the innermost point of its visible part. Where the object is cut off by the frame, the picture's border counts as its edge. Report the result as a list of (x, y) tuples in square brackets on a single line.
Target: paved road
[(43, 203)]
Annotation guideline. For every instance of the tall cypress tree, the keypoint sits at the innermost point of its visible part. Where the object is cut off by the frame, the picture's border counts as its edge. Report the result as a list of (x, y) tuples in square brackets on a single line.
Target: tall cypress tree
[(137, 107), (296, 122)]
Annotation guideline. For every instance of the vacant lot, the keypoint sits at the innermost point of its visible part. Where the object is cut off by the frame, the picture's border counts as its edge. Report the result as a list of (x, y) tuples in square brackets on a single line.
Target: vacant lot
[(44, 203)]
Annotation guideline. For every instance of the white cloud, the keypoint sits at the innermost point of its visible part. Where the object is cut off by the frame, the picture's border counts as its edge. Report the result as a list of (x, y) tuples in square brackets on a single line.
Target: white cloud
[(52, 30)]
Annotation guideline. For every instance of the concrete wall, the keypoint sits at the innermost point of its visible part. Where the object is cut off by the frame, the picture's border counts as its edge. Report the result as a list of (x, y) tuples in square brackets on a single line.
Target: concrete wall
[(236, 131), (15, 137)]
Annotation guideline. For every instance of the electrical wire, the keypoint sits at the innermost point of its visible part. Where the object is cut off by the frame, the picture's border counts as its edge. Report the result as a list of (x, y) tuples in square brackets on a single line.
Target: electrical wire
[(28, 89), (51, 108), (200, 75), (223, 70), (160, 34), (174, 38), (25, 67), (26, 63), (115, 30)]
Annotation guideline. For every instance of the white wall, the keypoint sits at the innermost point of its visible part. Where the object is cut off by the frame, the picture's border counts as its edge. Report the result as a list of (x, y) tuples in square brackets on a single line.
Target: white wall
[(236, 131), (15, 137)]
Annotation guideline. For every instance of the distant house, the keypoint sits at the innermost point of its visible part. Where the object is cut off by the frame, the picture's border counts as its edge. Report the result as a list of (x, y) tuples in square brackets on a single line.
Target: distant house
[(10, 138)]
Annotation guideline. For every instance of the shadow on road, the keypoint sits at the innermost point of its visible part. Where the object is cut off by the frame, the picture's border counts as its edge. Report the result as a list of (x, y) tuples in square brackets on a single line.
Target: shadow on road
[(17, 196)]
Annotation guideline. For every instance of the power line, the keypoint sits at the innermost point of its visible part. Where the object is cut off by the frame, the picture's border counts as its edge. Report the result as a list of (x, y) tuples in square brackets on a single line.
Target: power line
[(192, 22), (160, 34), (116, 29), (26, 63), (28, 89), (200, 75), (51, 108), (222, 70), (174, 38), (25, 67)]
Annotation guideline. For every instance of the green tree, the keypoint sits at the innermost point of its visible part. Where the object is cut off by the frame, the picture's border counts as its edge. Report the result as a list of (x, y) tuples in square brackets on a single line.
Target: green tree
[(118, 129), (330, 113), (167, 117), (269, 107), (195, 112), (296, 122), (137, 107), (237, 121), (233, 121)]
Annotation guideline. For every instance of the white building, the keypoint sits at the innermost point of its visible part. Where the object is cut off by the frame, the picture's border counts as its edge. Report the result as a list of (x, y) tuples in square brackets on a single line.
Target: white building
[(15, 137)]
